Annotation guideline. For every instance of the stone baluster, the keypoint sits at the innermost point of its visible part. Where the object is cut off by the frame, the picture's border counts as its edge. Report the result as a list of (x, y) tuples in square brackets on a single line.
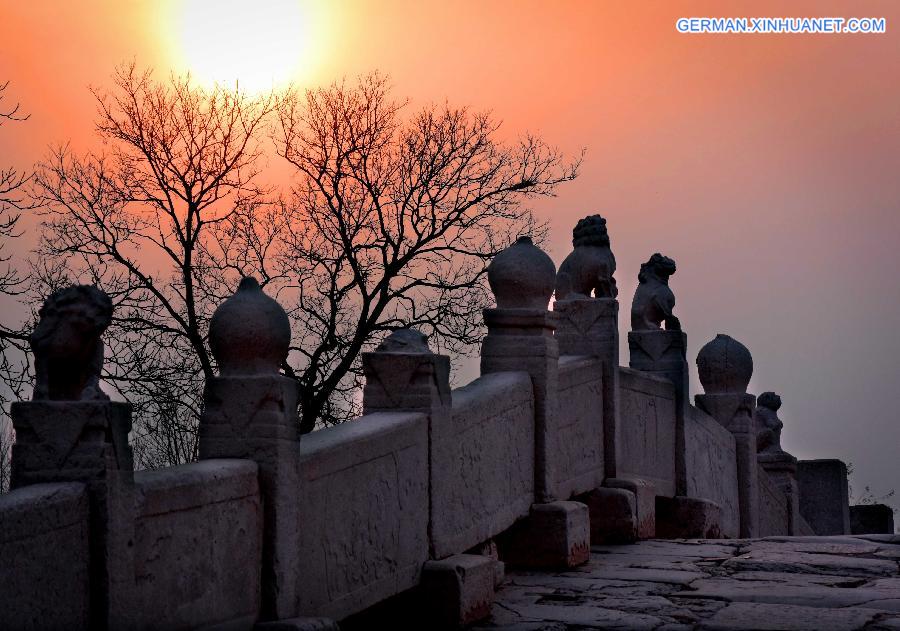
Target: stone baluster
[(403, 375), (71, 432), (251, 412), (725, 367), (777, 463), (520, 338), (659, 351), (589, 325)]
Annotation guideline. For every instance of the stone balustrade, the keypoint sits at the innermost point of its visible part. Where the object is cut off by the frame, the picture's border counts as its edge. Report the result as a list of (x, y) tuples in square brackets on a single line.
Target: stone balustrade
[(432, 491)]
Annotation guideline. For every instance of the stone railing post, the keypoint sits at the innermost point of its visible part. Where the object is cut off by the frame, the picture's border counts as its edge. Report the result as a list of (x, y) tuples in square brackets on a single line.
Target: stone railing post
[(824, 495), (777, 463), (403, 375), (725, 367), (71, 432), (251, 412), (659, 351), (520, 338), (589, 325)]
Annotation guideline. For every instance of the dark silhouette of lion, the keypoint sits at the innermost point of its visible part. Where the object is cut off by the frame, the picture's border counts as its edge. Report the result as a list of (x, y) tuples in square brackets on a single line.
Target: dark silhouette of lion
[(768, 425), (654, 301), (590, 266), (68, 351)]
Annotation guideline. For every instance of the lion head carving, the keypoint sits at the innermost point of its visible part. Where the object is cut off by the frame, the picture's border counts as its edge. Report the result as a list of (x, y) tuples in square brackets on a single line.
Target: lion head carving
[(68, 351), (591, 265), (654, 301)]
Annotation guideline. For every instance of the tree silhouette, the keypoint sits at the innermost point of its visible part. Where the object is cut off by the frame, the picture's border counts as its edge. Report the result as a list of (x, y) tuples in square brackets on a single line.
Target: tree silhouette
[(389, 222), (13, 341), (141, 220)]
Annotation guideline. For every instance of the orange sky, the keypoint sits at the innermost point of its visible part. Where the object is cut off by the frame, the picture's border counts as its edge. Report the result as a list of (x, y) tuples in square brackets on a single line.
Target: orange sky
[(766, 166)]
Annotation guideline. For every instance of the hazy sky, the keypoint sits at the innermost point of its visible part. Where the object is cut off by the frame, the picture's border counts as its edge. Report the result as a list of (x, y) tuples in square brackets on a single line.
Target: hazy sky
[(767, 166)]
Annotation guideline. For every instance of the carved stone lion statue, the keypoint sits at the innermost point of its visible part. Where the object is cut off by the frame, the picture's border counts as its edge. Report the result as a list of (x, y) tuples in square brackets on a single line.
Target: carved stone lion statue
[(591, 265), (68, 352), (654, 301), (768, 425)]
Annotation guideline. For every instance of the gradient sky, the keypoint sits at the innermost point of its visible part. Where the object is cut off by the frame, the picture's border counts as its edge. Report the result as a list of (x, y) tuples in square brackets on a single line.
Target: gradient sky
[(767, 166)]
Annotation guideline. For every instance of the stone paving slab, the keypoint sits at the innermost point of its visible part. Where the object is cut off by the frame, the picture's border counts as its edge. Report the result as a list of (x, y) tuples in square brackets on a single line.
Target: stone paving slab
[(770, 584)]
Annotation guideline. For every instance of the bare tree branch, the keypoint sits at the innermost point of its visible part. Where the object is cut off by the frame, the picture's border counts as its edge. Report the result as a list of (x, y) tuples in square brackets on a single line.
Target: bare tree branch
[(144, 221), (393, 220)]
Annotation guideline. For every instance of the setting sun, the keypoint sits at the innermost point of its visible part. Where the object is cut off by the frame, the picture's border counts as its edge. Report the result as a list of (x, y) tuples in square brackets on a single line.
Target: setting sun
[(260, 45)]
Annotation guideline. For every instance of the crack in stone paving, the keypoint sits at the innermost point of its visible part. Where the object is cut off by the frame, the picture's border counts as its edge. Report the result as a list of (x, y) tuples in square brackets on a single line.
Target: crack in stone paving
[(769, 584)]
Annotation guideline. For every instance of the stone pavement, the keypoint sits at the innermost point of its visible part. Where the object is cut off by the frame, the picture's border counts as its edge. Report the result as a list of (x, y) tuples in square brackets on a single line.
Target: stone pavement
[(812, 583)]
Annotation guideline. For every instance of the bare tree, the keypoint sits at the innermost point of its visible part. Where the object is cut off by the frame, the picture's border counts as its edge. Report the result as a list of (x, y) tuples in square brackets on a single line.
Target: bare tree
[(390, 223), (392, 220), (13, 340), (140, 221)]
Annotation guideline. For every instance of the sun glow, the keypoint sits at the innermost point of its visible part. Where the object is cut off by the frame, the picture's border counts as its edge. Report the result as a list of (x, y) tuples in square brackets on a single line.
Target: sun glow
[(260, 44)]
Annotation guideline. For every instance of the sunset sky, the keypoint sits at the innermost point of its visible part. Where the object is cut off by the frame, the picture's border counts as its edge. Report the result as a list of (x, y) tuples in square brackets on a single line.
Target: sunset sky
[(767, 166)]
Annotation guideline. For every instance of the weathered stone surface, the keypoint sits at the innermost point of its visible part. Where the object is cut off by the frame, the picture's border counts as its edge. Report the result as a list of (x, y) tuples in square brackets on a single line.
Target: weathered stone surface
[(491, 429), (687, 517), (522, 340), (774, 507), (644, 493), (522, 276), (588, 270), (871, 519), (255, 417), (579, 460), (613, 515), (60, 441), (87, 441), (662, 354), (404, 375), (781, 561), (767, 617), (648, 430), (590, 326), (734, 411), (818, 545), (367, 538), (633, 586), (774, 592), (490, 550), (781, 469), (68, 351), (459, 590), (44, 557), (824, 496), (554, 535), (249, 333), (710, 464), (724, 366), (298, 624), (205, 519)]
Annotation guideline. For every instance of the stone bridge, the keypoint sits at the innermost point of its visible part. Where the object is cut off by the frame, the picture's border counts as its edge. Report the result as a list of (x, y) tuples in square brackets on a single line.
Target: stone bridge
[(515, 500)]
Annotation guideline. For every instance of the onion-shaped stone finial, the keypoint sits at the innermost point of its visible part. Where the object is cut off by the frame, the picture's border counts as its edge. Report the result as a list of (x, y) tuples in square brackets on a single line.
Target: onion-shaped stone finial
[(522, 276), (250, 332), (725, 366)]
